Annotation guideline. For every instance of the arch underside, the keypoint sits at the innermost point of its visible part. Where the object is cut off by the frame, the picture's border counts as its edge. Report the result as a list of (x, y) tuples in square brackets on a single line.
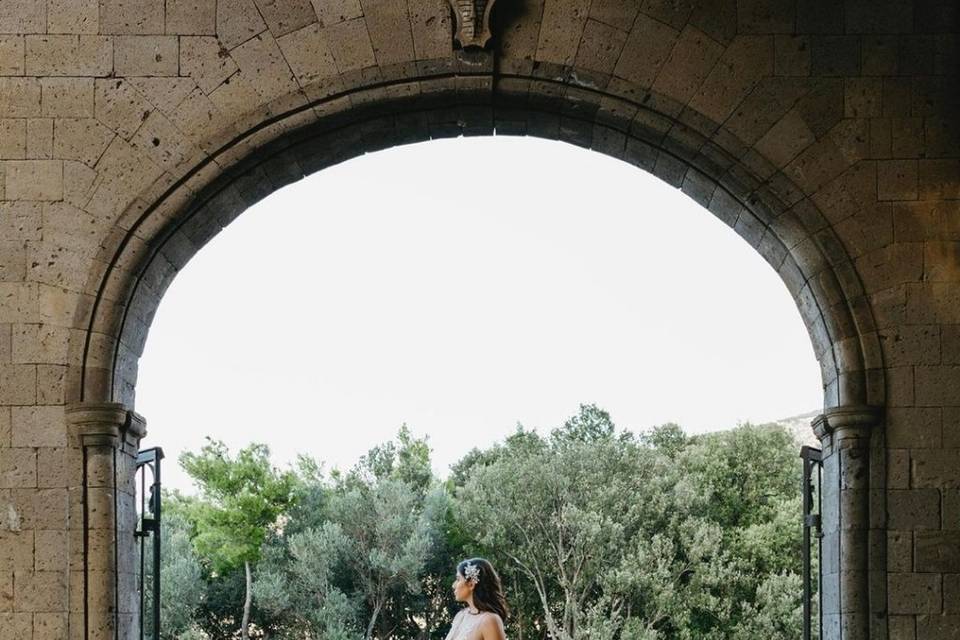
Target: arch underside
[(164, 228)]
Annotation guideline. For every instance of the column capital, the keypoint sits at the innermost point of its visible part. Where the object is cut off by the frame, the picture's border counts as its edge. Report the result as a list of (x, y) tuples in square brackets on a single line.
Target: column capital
[(104, 423), (847, 421)]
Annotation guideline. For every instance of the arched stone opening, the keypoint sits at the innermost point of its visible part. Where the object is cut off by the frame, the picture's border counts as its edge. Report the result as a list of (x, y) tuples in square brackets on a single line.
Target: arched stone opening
[(163, 228), (773, 215)]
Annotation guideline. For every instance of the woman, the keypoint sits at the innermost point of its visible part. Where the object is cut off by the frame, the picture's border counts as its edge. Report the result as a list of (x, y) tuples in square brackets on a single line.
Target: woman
[(478, 585)]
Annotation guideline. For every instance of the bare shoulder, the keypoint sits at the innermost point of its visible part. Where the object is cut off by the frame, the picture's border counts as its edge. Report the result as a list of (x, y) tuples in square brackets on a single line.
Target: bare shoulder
[(492, 626)]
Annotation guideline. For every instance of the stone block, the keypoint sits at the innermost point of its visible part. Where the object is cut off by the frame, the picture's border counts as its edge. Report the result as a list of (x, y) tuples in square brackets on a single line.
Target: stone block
[(50, 550), (951, 427), (81, 139), (204, 60), (941, 261), (38, 426), (58, 467), (914, 593), (16, 544), (19, 97), (791, 55), (40, 343), (40, 591), (951, 593), (937, 551), (600, 46), (308, 53), (16, 626), (49, 626), (938, 627), (73, 16), (334, 11), (646, 51), (914, 427), (51, 384), (191, 17), (350, 45), (131, 17), (913, 509), (162, 142), (937, 385), (23, 16), (40, 138), (264, 68), (119, 106), (69, 55), (238, 21), (146, 55), (902, 628), (688, 65), (897, 180), (67, 97), (285, 16), (900, 551), (34, 179), (13, 139), (766, 16), (18, 384), (862, 97), (11, 55), (935, 468), (836, 56), (785, 140), (6, 433), (911, 344), (18, 468), (745, 62)]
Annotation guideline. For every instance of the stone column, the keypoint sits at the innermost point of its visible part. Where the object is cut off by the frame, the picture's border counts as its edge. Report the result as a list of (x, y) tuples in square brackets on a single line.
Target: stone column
[(109, 436), (845, 573)]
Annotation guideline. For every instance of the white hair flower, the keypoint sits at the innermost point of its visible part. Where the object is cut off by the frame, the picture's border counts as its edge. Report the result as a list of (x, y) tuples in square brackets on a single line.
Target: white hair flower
[(471, 572)]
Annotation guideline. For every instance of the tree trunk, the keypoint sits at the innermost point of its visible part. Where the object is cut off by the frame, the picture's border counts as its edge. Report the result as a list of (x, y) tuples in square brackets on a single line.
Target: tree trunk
[(373, 621), (246, 604)]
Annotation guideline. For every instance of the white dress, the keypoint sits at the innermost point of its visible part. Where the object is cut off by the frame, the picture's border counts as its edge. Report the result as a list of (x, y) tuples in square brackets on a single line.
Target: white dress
[(464, 624)]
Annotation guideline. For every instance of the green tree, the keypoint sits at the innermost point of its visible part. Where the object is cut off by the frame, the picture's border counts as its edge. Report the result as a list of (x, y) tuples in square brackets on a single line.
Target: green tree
[(241, 500), (181, 577)]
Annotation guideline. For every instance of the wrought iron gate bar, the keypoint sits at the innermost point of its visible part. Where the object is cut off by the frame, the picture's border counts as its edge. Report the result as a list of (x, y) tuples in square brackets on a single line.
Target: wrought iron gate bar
[(811, 520), (149, 526)]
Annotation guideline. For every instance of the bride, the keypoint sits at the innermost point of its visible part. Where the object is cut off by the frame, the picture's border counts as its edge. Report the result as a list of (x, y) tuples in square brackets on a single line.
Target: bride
[(478, 585)]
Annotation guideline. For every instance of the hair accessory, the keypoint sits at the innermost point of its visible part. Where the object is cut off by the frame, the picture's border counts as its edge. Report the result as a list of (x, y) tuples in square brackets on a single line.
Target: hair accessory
[(471, 572)]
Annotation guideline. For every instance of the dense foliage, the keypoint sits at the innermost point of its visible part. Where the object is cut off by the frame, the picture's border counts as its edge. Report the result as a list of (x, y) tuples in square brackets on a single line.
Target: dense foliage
[(597, 533)]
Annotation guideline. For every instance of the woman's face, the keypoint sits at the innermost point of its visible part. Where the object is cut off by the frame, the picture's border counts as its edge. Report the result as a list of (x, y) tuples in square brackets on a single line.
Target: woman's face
[(462, 588)]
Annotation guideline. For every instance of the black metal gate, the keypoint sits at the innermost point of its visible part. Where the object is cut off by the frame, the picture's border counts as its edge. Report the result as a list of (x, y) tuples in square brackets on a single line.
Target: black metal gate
[(812, 466), (148, 529)]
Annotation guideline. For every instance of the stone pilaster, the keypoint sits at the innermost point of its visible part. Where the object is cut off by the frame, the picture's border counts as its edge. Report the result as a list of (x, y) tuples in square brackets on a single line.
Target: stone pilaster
[(109, 436), (850, 518)]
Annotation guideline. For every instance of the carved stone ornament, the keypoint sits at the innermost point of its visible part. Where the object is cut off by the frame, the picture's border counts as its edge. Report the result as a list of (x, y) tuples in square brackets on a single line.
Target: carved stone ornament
[(473, 22)]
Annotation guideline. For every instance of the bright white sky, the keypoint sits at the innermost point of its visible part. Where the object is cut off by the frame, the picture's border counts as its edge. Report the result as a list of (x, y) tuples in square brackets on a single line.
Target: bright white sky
[(462, 286)]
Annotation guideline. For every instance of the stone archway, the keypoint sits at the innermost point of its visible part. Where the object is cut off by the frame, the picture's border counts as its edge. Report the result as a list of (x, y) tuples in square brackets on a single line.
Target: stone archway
[(814, 265), (826, 136)]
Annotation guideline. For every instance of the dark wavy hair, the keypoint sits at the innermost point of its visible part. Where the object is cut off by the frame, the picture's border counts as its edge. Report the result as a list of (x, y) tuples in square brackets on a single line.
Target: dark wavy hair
[(488, 592)]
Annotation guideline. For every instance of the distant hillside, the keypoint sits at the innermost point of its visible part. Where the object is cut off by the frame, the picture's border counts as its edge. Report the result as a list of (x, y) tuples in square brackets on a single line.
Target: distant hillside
[(799, 426)]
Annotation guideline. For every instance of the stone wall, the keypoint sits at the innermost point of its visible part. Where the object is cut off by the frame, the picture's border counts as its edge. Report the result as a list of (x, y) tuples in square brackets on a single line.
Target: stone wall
[(827, 134)]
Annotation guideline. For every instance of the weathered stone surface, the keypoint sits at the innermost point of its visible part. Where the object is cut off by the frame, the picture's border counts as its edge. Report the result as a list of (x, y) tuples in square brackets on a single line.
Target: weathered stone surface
[(131, 16), (34, 179), (69, 55), (146, 55), (913, 509), (19, 97), (829, 126), (915, 593), (191, 17), (73, 16), (11, 55)]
